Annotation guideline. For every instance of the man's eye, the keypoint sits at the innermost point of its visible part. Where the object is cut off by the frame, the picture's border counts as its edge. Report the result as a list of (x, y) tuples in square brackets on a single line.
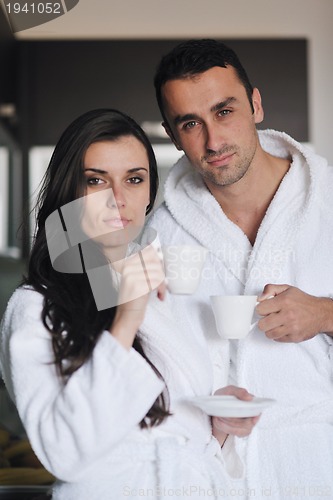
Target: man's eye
[(189, 125), (224, 112)]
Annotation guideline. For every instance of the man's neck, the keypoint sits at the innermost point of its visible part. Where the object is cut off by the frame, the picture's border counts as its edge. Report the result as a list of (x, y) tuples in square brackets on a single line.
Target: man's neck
[(245, 203)]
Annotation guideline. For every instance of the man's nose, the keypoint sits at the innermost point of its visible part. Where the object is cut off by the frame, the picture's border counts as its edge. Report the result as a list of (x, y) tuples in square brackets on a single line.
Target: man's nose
[(214, 140)]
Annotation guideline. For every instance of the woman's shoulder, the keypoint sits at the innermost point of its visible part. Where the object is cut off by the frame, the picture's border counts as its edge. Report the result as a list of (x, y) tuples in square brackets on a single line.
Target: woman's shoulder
[(25, 301), (24, 293)]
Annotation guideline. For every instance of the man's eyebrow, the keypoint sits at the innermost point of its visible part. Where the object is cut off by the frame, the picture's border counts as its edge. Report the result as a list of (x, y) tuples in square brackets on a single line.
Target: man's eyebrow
[(185, 118), (223, 104)]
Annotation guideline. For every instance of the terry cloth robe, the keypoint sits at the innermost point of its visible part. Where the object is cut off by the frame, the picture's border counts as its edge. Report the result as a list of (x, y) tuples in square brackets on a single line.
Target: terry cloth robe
[(290, 451), (87, 432)]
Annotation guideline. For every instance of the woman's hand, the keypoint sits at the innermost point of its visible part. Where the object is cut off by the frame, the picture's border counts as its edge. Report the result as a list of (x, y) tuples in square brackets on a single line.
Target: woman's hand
[(239, 427), (141, 273)]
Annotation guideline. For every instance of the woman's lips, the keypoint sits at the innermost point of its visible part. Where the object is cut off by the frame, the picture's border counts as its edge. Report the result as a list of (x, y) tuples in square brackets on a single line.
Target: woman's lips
[(117, 222)]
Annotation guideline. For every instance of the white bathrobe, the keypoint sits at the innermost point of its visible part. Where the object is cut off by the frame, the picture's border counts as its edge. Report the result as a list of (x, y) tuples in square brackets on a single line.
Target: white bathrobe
[(290, 452), (87, 433)]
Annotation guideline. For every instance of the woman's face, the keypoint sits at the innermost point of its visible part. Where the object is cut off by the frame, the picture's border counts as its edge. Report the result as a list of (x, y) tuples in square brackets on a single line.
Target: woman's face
[(117, 191)]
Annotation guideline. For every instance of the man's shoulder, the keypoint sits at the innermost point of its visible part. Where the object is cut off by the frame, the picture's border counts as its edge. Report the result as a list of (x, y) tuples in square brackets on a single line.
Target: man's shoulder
[(161, 215), (326, 188)]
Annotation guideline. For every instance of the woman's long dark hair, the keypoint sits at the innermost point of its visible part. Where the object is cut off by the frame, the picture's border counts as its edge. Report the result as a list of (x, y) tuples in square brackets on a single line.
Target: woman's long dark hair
[(69, 311)]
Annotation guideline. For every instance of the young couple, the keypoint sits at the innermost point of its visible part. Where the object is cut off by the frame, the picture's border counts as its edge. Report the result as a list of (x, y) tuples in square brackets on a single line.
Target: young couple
[(100, 360)]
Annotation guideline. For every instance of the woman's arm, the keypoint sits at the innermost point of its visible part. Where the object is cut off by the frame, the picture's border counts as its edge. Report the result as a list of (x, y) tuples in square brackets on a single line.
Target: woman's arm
[(70, 426)]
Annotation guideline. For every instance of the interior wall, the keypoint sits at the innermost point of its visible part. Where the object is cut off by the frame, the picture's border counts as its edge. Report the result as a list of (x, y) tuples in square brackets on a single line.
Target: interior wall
[(7, 63), (311, 19), (63, 79)]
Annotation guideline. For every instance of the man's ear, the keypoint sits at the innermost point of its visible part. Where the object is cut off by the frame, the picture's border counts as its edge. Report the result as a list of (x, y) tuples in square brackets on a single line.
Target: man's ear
[(257, 106), (170, 134)]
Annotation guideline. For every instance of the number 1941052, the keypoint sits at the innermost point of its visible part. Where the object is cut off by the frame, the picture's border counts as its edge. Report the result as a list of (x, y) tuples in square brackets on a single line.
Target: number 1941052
[(34, 8)]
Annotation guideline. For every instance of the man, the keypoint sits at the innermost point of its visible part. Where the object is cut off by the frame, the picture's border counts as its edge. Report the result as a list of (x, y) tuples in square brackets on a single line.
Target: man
[(261, 203)]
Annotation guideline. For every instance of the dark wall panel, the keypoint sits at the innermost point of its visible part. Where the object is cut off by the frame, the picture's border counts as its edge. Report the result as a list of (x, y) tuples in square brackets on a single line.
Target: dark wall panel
[(8, 66), (68, 78)]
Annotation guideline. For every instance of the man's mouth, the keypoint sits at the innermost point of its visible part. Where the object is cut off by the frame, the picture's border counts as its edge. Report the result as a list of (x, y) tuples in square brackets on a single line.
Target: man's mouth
[(220, 161)]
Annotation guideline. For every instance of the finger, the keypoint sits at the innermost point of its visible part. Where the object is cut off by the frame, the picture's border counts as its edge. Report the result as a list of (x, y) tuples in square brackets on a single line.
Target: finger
[(157, 279), (289, 338), (280, 334), (270, 322), (238, 392), (150, 252), (153, 269), (268, 306), (272, 290), (145, 270), (161, 291)]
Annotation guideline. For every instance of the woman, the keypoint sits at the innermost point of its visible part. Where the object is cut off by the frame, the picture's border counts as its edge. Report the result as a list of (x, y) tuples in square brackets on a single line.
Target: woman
[(93, 404)]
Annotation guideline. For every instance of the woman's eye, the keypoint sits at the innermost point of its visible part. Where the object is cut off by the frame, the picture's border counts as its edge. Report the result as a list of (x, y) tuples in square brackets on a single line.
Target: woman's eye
[(135, 180), (94, 181)]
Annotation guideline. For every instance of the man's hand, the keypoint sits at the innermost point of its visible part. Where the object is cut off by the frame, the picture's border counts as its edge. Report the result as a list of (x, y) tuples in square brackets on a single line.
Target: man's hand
[(239, 427), (290, 315)]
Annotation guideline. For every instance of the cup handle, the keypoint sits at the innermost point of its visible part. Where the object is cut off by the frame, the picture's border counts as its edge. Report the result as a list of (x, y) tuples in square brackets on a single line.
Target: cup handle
[(253, 325)]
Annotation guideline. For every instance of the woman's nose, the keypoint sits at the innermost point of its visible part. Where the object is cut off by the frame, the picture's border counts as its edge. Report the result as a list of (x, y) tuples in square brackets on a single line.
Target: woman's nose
[(116, 198)]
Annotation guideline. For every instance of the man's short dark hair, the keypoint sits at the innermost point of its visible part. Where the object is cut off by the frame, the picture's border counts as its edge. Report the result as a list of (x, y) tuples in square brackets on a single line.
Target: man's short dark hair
[(193, 57)]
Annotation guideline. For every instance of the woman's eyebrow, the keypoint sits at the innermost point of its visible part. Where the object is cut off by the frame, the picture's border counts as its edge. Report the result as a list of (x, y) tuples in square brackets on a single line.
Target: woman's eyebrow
[(100, 171), (95, 170), (137, 169)]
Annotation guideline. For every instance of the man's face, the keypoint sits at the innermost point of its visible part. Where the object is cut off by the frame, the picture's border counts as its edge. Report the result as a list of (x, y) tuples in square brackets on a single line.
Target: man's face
[(209, 117)]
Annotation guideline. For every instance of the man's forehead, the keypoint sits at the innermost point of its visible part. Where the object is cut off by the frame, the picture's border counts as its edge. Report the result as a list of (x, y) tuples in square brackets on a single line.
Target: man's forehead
[(214, 76), (186, 94)]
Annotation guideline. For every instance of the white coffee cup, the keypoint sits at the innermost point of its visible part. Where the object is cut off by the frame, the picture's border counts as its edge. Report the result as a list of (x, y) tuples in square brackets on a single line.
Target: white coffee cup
[(233, 314), (183, 266)]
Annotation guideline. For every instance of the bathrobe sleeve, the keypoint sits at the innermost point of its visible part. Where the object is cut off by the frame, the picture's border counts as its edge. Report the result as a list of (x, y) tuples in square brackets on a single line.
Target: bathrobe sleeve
[(71, 426)]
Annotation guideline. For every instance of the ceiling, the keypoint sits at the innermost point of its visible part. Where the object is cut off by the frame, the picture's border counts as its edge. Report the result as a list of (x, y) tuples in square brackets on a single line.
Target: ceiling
[(99, 19)]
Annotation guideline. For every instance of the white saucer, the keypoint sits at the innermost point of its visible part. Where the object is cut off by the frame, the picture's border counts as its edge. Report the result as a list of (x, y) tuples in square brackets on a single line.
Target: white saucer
[(230, 406)]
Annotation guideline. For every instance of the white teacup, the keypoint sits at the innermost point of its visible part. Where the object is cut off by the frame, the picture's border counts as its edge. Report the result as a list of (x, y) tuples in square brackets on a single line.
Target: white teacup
[(233, 314), (183, 267)]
